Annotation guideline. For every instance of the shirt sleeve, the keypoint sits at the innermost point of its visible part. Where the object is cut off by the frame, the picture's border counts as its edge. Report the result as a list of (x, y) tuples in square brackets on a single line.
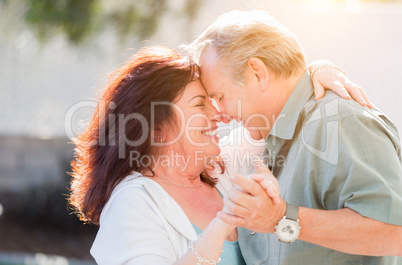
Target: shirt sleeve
[(367, 175), (131, 232)]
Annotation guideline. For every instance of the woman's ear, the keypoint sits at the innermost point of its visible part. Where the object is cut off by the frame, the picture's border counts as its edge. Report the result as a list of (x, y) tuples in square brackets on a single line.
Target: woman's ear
[(259, 71)]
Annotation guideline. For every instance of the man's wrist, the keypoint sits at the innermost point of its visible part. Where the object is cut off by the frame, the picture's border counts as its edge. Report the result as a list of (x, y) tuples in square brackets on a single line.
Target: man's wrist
[(288, 228)]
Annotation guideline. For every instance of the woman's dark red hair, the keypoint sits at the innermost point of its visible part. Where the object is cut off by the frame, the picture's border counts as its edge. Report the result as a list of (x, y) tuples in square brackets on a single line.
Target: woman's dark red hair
[(154, 74)]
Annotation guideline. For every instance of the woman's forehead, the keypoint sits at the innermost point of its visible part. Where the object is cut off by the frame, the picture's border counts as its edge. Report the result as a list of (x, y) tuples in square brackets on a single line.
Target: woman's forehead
[(192, 89)]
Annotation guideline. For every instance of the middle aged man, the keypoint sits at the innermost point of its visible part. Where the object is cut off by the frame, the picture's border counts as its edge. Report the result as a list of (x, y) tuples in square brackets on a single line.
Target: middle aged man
[(338, 164)]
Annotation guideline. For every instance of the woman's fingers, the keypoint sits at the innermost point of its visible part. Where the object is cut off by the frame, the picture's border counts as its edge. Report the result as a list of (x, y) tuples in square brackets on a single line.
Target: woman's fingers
[(356, 93), (319, 90), (270, 185), (339, 88)]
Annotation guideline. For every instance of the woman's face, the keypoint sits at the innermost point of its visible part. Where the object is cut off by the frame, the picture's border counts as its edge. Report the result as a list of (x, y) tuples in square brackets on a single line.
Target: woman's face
[(195, 132)]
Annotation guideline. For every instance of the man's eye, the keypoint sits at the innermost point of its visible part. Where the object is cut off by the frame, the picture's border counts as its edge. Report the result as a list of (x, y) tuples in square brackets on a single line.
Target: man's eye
[(220, 99), (201, 104)]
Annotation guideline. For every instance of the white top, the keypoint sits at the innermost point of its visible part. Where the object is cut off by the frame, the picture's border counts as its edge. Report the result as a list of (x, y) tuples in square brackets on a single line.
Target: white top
[(142, 224)]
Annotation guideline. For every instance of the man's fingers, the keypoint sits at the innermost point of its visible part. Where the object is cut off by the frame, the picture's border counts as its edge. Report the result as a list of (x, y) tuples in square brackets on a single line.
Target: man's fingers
[(233, 208), (240, 197), (260, 167), (247, 185), (266, 180), (232, 219)]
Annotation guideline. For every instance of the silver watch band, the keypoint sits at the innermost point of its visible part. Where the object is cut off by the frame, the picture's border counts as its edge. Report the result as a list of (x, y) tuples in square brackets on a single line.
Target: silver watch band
[(292, 211)]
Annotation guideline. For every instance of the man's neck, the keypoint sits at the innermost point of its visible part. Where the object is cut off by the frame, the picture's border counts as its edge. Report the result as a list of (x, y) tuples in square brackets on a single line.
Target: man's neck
[(277, 96)]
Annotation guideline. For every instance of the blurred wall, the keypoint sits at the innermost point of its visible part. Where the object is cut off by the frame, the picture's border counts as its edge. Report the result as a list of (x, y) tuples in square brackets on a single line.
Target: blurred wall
[(27, 163), (41, 82)]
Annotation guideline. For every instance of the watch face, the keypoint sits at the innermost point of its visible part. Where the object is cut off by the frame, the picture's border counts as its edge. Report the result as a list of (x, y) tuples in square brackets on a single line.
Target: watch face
[(287, 230)]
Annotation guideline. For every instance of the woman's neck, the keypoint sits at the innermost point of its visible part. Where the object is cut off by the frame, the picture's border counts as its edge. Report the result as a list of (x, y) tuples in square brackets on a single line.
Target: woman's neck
[(179, 176), (177, 168)]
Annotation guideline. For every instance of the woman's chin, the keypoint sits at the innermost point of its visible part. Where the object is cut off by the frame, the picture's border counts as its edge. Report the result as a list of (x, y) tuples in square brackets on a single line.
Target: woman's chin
[(211, 153)]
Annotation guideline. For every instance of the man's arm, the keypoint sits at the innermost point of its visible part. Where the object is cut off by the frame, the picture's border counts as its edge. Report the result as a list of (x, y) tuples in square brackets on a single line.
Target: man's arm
[(343, 230), (347, 231)]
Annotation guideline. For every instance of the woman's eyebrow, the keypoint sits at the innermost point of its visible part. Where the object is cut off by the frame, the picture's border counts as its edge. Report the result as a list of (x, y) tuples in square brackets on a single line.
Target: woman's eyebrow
[(201, 96)]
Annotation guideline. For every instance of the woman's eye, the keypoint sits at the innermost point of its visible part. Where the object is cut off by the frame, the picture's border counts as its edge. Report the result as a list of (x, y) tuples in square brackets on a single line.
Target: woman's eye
[(220, 99), (201, 104)]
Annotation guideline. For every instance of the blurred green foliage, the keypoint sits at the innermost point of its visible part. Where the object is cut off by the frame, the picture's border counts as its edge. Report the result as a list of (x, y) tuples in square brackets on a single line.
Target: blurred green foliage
[(80, 19)]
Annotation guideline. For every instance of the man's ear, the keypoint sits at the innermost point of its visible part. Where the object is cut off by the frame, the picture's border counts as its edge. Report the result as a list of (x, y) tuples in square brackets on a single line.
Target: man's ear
[(259, 71)]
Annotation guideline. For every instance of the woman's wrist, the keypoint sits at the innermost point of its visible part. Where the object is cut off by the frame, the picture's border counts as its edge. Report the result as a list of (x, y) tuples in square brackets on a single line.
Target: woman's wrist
[(316, 63), (223, 226)]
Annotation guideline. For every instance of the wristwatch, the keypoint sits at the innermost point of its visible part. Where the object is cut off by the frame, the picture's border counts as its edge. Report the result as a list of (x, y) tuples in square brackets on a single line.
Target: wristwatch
[(288, 228)]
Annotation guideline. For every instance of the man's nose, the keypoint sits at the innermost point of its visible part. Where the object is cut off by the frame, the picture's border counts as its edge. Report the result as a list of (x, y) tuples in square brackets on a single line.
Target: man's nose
[(226, 118), (218, 115), (222, 117)]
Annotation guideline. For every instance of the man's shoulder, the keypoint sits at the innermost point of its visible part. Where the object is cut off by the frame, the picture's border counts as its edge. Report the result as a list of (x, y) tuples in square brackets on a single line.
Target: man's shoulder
[(333, 107), (348, 118)]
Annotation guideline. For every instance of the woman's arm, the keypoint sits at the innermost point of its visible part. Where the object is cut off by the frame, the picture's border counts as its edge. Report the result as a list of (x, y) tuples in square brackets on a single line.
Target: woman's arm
[(208, 247), (326, 74)]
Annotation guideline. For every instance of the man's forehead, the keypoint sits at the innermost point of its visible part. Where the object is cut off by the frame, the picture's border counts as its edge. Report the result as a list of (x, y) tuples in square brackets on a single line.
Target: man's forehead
[(213, 75), (208, 57), (215, 89)]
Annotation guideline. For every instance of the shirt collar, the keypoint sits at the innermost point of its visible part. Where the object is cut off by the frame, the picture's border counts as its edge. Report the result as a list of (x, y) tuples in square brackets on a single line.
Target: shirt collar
[(285, 124)]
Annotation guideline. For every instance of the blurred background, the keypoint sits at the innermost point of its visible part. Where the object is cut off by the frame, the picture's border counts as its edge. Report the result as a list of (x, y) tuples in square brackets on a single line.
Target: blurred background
[(56, 55)]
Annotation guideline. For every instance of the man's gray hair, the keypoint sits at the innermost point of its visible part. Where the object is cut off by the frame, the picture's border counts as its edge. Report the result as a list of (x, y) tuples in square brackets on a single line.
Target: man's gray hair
[(238, 36)]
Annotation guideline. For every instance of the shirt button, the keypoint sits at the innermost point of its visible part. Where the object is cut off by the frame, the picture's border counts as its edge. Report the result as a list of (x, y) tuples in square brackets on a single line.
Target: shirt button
[(252, 233)]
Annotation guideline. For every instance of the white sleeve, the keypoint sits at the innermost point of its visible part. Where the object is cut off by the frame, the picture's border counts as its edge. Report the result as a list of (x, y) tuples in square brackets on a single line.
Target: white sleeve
[(240, 152), (132, 232)]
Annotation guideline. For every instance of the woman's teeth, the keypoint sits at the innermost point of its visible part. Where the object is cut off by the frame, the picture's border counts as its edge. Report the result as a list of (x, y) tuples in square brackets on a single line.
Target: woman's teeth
[(210, 133)]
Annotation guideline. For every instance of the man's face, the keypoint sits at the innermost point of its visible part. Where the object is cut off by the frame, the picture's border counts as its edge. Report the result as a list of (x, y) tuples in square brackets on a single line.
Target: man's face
[(234, 100)]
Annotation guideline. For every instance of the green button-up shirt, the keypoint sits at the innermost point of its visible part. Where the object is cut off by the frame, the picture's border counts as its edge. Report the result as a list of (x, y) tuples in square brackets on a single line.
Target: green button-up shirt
[(330, 154)]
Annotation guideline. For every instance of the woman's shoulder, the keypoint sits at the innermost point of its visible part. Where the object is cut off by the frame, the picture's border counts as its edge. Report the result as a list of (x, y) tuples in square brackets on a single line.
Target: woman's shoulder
[(134, 181), (131, 191)]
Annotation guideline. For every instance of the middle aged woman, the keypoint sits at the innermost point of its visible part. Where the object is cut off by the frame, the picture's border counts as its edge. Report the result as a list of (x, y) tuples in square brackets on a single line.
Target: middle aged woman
[(140, 168)]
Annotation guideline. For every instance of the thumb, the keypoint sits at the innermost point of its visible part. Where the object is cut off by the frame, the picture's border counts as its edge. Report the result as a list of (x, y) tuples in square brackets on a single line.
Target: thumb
[(260, 167)]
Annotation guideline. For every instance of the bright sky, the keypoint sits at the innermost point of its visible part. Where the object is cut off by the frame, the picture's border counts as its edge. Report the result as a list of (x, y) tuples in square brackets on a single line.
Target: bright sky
[(328, 5)]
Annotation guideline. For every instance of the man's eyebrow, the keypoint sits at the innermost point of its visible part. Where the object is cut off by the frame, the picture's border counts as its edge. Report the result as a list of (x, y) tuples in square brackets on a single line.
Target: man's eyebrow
[(201, 96)]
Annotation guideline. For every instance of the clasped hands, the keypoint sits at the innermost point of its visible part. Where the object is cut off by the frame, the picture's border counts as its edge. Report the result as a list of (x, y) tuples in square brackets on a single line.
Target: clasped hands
[(255, 203)]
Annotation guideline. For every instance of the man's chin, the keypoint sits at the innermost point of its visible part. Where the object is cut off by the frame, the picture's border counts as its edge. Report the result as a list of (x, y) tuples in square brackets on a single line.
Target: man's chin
[(256, 138), (255, 134)]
